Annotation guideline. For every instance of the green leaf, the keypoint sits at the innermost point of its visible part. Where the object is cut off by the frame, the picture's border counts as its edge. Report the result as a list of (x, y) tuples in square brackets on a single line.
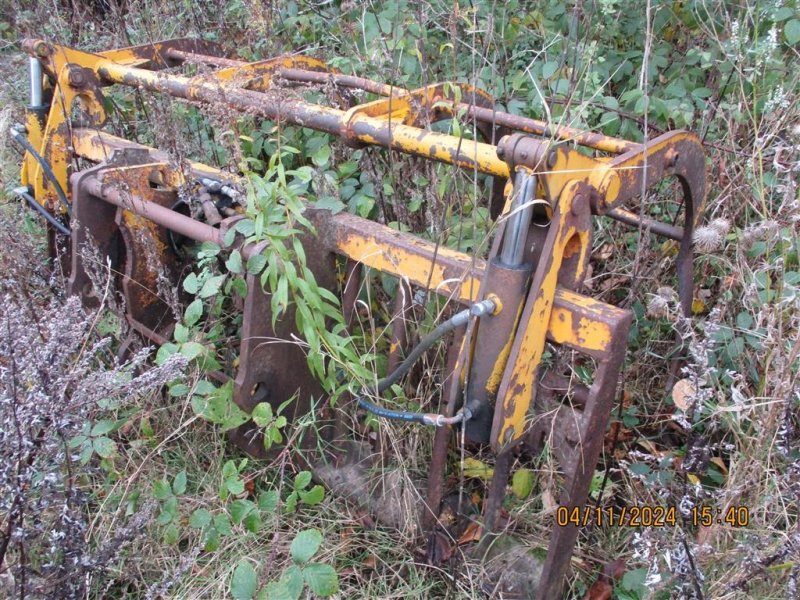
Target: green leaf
[(191, 284), (212, 540), (302, 479), (293, 579), (633, 581), (86, 454), (211, 286), (276, 590), (253, 522), (522, 483), (235, 486), (549, 69), (322, 579), (305, 545), (178, 389), (209, 248), (313, 496), (102, 427), (330, 203), (164, 352), (104, 446), (171, 534), (268, 501), (222, 523), (244, 581), (181, 333), (193, 312), (234, 262), (239, 510), (179, 484), (791, 31), (321, 156), (262, 414), (162, 489), (200, 518), (192, 350), (256, 264)]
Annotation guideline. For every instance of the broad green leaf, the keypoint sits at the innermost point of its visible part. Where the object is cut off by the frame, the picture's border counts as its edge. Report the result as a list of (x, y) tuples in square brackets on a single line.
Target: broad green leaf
[(239, 510), (791, 31), (191, 284), (268, 501), (200, 518), (211, 286), (164, 352), (313, 496), (234, 262), (305, 545), (193, 312), (276, 590), (262, 414), (192, 350), (179, 484), (302, 479), (322, 579), (222, 523), (253, 522), (104, 446), (256, 264), (162, 490), (549, 68), (171, 534), (321, 156), (102, 427), (235, 486), (244, 582), (330, 203)]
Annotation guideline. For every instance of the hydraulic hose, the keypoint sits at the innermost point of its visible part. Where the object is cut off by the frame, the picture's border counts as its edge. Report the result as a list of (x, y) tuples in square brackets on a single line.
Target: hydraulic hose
[(485, 307), (17, 132), (24, 193)]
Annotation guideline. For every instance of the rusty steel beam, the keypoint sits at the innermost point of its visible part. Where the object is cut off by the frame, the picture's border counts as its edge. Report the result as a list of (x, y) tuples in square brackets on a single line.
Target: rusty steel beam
[(564, 133), (577, 321)]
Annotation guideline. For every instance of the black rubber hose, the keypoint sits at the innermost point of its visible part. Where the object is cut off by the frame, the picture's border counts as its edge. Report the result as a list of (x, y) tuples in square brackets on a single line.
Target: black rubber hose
[(58, 226), (454, 322), (23, 141)]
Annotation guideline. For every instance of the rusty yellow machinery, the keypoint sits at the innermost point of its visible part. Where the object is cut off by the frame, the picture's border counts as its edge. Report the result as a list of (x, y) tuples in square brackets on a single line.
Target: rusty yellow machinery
[(522, 298)]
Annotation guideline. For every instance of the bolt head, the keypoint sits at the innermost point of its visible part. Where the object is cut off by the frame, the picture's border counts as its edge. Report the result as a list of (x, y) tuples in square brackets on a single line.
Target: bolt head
[(42, 49), (76, 77)]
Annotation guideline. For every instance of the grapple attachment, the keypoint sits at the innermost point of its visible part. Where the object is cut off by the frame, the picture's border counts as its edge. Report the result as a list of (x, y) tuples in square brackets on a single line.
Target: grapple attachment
[(549, 184)]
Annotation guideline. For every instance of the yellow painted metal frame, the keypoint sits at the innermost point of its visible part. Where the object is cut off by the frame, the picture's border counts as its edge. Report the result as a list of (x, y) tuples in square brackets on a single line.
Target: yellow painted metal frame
[(574, 183)]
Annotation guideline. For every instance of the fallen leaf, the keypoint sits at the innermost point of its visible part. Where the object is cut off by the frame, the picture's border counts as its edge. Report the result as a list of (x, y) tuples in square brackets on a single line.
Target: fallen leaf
[(698, 306), (471, 534), (720, 463), (600, 590), (473, 468), (682, 393), (603, 588), (370, 562), (440, 549)]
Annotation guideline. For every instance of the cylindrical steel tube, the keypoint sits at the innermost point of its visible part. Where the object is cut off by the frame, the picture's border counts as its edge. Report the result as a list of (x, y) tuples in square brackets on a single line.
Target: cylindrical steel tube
[(622, 215), (362, 128), (35, 70), (516, 231), (158, 214)]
